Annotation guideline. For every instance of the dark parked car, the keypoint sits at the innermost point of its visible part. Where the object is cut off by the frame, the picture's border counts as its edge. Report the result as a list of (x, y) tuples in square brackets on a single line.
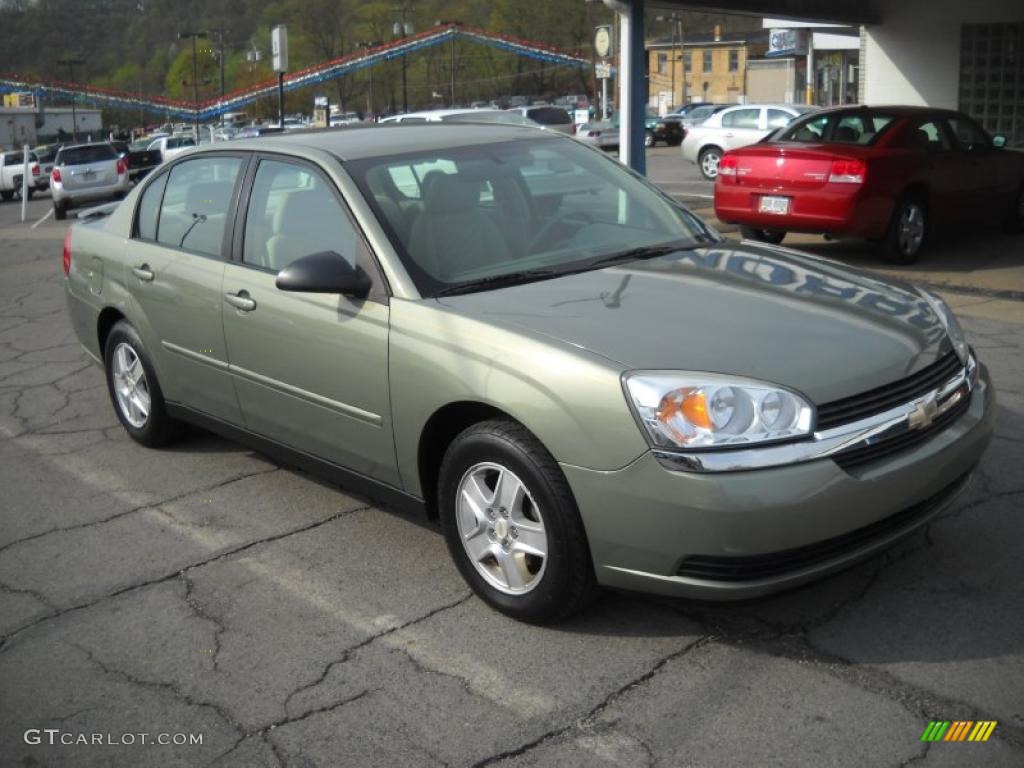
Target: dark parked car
[(137, 157), (888, 174)]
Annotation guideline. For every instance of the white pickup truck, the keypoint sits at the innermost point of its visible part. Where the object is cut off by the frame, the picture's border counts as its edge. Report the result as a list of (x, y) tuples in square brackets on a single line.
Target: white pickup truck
[(170, 146), (12, 168)]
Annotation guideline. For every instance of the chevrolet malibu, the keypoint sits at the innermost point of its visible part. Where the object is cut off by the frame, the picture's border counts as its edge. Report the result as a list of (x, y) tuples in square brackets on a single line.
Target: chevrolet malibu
[(506, 331)]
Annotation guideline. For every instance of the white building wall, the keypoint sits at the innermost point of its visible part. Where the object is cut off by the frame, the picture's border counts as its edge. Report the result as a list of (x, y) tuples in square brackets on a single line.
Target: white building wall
[(913, 56)]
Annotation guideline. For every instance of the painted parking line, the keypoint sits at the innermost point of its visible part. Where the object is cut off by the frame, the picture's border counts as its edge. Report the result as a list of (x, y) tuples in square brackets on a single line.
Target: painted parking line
[(47, 215)]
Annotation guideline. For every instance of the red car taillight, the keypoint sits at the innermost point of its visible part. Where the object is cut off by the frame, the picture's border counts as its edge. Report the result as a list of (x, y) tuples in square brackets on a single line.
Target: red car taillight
[(727, 169), (121, 167), (848, 171), (67, 252), (55, 175), (35, 170)]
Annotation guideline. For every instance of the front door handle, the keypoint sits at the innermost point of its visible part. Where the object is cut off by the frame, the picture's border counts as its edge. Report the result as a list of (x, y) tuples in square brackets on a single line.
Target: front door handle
[(143, 272), (240, 300)]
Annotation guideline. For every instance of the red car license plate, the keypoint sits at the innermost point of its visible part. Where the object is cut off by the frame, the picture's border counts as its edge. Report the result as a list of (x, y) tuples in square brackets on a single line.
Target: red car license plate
[(776, 205)]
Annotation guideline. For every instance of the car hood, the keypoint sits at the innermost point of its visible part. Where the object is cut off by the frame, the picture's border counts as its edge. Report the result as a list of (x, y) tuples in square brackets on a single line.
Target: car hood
[(761, 312)]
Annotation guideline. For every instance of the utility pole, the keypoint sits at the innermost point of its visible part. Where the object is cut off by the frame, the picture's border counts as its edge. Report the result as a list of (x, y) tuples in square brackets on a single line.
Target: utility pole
[(71, 64), (366, 45), (402, 29), (195, 74), (220, 31)]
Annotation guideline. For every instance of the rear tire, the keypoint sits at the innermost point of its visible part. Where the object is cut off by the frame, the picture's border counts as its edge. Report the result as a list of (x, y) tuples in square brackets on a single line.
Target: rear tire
[(134, 390), (60, 211), (708, 161), (773, 236), (503, 498), (907, 232)]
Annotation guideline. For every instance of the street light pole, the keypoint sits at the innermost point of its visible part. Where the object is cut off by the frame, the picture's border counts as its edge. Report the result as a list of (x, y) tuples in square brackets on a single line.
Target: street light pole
[(70, 64), (403, 29), (195, 74)]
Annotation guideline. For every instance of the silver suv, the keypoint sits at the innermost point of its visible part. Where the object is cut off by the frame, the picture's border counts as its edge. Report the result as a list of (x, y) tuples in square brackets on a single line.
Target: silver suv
[(86, 173)]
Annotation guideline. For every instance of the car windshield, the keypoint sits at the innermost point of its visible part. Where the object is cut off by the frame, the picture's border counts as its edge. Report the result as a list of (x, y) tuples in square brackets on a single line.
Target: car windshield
[(861, 127), (92, 153), (466, 218)]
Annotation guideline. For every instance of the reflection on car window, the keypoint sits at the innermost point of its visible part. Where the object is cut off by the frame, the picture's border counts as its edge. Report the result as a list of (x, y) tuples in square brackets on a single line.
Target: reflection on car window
[(195, 205), (293, 213), (484, 211), (928, 136), (741, 118), (149, 208), (777, 118)]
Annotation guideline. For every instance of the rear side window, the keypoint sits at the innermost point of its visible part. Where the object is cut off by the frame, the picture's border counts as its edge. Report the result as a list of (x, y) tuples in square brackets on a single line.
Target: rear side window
[(95, 153), (195, 204), (863, 128), (741, 118), (180, 142), (149, 209), (550, 116), (928, 136)]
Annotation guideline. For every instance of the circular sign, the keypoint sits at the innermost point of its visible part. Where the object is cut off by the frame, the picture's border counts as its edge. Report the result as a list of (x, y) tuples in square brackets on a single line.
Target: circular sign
[(603, 42)]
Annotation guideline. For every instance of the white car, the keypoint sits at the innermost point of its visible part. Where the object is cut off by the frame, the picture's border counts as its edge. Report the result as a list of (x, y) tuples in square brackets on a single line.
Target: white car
[(171, 146), (12, 169), (461, 116), (733, 128)]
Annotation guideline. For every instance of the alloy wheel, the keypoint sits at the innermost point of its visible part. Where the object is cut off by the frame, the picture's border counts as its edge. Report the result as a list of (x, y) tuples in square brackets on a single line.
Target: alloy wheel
[(130, 386), (910, 229), (501, 528), (709, 164)]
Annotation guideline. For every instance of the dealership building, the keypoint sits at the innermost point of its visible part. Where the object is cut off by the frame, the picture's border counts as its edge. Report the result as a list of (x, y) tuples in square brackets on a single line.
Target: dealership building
[(940, 53)]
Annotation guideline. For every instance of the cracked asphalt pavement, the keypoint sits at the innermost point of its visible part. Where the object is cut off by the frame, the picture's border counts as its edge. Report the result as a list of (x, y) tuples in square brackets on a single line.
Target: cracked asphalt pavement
[(206, 590)]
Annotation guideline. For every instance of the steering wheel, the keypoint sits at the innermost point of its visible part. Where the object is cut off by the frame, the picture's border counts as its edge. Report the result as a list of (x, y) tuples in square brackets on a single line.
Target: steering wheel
[(542, 234)]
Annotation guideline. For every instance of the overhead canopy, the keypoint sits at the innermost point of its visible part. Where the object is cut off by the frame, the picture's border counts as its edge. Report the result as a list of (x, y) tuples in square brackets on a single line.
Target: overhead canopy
[(827, 11)]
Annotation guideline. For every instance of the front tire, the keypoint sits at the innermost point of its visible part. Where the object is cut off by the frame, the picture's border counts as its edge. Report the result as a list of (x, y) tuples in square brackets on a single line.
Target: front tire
[(60, 211), (512, 525), (908, 228), (708, 161), (773, 236), (134, 390)]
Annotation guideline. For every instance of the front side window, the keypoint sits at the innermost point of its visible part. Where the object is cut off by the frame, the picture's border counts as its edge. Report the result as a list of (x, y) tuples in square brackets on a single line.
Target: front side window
[(293, 213), (928, 136), (516, 210), (196, 202), (968, 134), (741, 118)]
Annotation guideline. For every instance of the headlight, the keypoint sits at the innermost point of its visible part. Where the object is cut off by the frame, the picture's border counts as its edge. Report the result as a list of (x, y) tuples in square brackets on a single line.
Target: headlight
[(950, 323), (703, 410)]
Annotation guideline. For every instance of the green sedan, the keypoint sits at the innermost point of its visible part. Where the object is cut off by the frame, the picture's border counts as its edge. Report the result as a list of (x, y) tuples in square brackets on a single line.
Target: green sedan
[(505, 331)]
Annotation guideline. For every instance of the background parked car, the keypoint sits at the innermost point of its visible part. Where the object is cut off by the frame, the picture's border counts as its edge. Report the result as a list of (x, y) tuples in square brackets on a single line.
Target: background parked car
[(87, 173), (137, 157), (890, 174), (463, 116), (732, 128), (46, 154), (551, 117), (700, 114), (605, 133), (12, 169), (171, 146)]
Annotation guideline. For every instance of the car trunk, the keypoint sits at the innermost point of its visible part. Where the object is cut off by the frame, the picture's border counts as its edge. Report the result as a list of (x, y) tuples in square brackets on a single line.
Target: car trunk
[(776, 167), (85, 167)]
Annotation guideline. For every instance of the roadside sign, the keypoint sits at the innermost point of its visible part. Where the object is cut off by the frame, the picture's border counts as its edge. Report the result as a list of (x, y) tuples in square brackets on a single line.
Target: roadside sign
[(279, 47), (603, 41), (603, 70)]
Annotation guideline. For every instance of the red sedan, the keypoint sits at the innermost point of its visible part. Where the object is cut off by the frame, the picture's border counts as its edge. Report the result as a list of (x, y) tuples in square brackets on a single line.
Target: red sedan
[(886, 174)]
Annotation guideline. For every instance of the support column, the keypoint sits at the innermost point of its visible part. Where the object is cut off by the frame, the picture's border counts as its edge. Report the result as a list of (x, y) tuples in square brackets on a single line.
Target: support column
[(632, 83)]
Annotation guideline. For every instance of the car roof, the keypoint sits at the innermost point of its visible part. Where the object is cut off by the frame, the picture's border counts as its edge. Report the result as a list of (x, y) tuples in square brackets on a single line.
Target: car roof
[(354, 143)]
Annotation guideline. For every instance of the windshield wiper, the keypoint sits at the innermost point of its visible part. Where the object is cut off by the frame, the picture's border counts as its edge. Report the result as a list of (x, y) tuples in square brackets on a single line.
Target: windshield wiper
[(635, 254), (499, 281)]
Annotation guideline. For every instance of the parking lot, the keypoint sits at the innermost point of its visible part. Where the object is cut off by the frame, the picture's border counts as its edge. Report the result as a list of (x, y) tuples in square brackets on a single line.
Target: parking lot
[(206, 590)]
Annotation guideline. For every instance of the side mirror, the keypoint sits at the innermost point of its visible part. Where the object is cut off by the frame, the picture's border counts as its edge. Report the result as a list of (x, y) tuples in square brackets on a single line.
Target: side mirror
[(324, 272), (999, 141)]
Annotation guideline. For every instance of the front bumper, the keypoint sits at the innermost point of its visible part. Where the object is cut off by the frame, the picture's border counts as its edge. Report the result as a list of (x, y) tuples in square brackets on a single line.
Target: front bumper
[(646, 523)]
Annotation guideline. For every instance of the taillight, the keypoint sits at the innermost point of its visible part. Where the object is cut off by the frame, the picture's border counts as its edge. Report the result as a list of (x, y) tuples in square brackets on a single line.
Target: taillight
[(121, 167), (848, 171), (67, 251), (55, 174), (727, 169), (35, 170)]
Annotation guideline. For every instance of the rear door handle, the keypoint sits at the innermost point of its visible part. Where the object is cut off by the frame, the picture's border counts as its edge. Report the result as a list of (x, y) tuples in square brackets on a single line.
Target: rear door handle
[(143, 272), (240, 300)]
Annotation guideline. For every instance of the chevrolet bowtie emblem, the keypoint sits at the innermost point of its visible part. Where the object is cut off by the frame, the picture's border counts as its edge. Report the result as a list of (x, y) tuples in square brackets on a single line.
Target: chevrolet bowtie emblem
[(924, 413)]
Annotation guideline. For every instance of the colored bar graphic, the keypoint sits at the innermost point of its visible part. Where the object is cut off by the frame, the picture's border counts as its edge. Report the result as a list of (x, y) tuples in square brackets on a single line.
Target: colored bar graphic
[(958, 730)]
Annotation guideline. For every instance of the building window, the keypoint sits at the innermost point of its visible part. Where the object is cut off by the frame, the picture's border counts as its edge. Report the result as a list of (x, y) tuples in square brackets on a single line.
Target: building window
[(734, 61), (662, 63), (707, 62), (687, 62)]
